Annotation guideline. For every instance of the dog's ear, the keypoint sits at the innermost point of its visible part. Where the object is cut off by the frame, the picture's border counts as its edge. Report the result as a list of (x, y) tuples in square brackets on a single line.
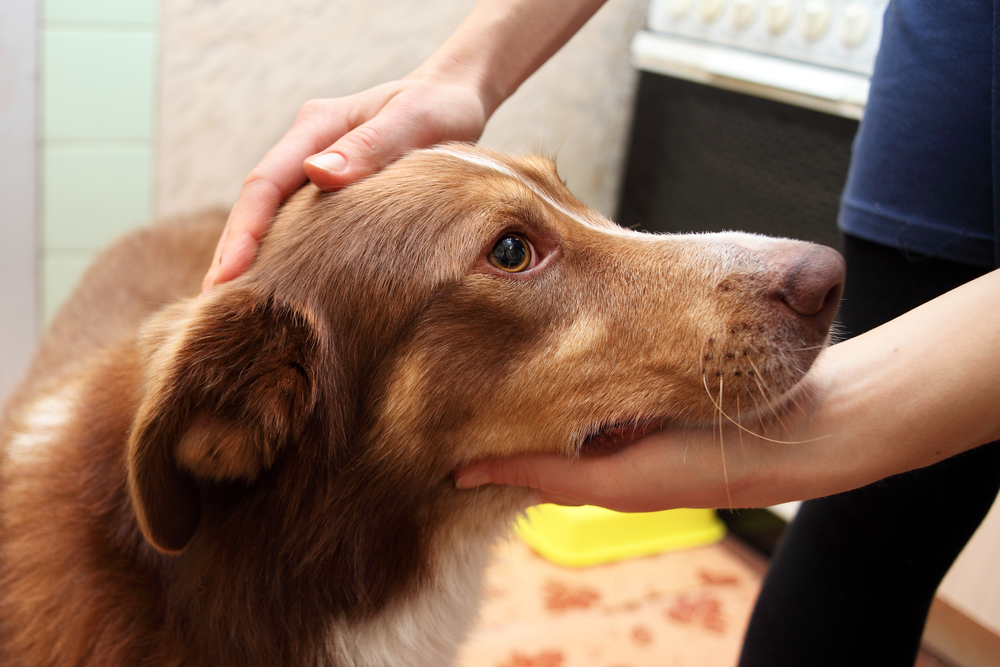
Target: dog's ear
[(227, 384)]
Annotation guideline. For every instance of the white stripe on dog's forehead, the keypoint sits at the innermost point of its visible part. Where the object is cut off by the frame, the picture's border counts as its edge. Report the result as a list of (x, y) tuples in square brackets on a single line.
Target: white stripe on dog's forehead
[(489, 163)]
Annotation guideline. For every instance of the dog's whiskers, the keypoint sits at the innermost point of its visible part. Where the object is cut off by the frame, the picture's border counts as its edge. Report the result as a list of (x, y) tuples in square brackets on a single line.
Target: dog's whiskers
[(743, 451), (793, 396), (758, 411), (722, 448), (744, 428), (765, 391)]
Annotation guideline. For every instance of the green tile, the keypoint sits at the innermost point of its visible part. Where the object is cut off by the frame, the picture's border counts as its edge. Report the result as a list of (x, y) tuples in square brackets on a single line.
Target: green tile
[(122, 12), (61, 271), (91, 196), (99, 84)]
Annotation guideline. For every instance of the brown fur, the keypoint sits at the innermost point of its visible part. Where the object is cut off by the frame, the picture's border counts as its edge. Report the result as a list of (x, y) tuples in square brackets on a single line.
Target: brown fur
[(263, 476)]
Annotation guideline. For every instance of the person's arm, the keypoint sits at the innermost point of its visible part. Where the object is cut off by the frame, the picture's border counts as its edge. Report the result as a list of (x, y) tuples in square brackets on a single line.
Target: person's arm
[(917, 390), (448, 98)]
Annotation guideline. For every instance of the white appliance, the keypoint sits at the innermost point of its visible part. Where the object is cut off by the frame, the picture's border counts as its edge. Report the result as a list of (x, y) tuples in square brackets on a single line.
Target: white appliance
[(745, 114), (816, 54)]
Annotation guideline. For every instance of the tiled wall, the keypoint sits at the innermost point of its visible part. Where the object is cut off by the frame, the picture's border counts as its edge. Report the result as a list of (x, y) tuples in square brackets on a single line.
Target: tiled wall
[(98, 129)]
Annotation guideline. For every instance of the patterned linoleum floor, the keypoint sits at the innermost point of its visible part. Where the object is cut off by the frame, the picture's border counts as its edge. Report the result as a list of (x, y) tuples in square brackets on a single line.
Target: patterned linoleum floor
[(677, 609)]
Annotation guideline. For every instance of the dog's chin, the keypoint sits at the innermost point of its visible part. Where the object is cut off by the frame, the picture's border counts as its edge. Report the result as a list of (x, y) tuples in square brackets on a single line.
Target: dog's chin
[(795, 402), (614, 437)]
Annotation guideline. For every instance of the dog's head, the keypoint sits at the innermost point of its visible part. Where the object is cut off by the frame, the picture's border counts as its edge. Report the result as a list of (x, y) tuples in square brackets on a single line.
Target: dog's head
[(458, 305)]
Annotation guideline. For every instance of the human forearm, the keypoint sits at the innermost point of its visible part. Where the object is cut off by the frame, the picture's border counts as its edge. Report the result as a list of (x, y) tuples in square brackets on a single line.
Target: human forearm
[(502, 42), (912, 392)]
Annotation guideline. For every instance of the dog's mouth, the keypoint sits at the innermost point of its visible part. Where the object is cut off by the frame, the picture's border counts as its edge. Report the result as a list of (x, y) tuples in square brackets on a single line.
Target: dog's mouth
[(615, 436)]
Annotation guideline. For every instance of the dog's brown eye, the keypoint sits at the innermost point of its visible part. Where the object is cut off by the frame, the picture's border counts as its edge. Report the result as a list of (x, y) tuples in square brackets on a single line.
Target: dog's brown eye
[(511, 253)]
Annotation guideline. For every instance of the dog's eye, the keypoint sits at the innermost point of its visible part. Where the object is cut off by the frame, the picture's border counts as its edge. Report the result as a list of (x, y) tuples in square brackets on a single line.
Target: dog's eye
[(511, 253)]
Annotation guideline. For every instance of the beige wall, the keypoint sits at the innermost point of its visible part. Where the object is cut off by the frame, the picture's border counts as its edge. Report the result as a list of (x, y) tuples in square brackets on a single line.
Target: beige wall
[(235, 73)]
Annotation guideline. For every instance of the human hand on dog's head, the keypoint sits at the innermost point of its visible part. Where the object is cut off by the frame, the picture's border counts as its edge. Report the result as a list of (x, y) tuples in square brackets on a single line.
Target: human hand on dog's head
[(335, 142), (448, 98)]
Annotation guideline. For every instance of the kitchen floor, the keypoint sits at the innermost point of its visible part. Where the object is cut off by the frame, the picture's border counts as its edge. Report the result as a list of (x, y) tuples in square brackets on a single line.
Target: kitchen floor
[(675, 609)]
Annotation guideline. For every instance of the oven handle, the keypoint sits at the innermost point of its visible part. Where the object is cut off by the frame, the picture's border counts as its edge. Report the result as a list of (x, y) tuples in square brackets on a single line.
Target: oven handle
[(811, 86)]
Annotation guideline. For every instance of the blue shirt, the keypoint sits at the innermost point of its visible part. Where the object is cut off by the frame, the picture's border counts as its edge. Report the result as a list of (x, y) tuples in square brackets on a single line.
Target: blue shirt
[(924, 162)]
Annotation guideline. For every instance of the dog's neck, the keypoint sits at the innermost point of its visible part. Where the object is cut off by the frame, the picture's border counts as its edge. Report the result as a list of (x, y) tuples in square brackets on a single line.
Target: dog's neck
[(366, 557)]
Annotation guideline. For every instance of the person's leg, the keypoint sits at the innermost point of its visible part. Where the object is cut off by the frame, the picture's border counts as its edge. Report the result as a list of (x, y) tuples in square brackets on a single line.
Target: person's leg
[(855, 573)]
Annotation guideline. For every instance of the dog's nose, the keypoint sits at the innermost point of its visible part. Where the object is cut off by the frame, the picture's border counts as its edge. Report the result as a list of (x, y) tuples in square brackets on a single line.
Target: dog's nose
[(811, 283)]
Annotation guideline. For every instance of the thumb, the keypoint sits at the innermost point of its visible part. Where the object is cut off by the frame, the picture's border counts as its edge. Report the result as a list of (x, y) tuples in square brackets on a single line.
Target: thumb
[(549, 476), (359, 153)]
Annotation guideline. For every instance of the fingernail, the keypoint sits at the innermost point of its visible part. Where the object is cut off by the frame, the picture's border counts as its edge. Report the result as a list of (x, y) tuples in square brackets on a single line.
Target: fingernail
[(209, 281), (471, 480), (332, 162)]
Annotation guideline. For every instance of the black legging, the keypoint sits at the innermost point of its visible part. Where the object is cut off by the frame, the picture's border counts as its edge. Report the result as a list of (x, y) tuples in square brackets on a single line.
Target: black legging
[(854, 575)]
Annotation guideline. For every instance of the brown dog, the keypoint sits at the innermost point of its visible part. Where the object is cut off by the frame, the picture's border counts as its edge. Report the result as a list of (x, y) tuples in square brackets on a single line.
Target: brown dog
[(263, 476)]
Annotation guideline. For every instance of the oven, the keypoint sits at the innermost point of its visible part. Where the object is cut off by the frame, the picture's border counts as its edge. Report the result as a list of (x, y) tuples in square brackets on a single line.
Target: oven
[(745, 114)]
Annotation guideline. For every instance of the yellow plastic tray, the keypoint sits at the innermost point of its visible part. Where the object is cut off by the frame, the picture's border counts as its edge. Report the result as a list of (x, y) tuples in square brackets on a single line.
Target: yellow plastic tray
[(582, 536)]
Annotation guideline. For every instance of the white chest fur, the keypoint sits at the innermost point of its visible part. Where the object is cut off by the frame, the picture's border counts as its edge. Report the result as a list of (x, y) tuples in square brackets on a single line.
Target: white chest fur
[(423, 630)]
